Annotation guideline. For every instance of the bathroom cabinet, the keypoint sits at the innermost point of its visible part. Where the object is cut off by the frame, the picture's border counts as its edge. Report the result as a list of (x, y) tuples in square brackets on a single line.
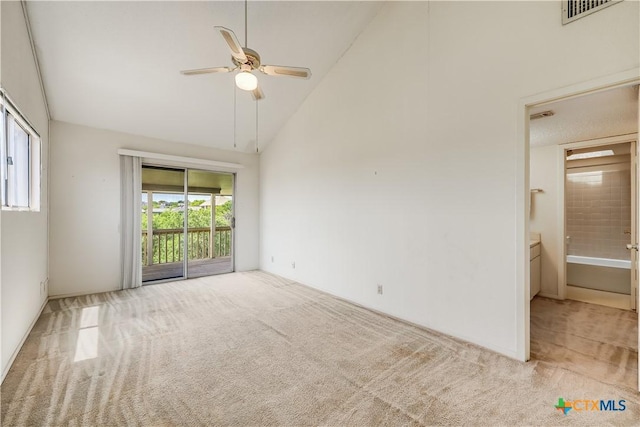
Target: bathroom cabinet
[(534, 268)]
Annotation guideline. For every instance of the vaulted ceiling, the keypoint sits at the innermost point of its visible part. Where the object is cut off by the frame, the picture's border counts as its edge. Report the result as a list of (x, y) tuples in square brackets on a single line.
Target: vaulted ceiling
[(115, 65)]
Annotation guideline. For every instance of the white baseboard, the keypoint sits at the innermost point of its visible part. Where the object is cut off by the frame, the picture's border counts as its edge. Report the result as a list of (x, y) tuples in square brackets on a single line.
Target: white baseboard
[(545, 295), (442, 331), (592, 296), (81, 294), (24, 338)]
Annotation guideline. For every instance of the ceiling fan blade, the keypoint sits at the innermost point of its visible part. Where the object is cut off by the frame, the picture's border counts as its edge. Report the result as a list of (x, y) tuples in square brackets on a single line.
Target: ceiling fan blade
[(205, 71), (277, 70), (257, 94), (234, 44)]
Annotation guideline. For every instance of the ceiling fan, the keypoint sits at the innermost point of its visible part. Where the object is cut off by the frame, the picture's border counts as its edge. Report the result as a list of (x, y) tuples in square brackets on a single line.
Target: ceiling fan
[(247, 60)]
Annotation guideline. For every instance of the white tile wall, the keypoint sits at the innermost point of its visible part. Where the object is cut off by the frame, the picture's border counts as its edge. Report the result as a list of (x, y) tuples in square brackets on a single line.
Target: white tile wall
[(599, 213)]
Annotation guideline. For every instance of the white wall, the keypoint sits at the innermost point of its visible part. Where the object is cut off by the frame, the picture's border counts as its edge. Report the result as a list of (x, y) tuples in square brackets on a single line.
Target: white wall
[(400, 168), (85, 204), (545, 169), (2, 367), (24, 234)]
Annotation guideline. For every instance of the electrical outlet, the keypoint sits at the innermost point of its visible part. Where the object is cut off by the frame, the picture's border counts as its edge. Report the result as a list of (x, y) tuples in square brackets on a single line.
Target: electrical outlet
[(379, 289), (271, 258), (293, 264)]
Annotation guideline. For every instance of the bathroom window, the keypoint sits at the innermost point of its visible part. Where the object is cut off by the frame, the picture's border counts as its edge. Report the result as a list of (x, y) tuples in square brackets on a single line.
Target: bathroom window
[(20, 166)]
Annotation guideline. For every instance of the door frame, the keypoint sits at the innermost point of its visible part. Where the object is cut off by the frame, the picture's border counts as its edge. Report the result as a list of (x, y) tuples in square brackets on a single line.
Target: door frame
[(562, 207), (625, 78)]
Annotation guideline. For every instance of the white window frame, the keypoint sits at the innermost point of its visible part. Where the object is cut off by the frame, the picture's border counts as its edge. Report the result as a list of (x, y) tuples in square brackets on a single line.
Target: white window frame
[(8, 108)]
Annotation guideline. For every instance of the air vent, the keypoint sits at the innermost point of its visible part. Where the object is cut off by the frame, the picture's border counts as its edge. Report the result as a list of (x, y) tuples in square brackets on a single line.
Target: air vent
[(576, 9)]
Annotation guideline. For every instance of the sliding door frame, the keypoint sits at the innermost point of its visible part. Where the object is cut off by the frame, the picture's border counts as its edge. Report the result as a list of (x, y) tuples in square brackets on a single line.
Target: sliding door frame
[(185, 225), (233, 222), (233, 176)]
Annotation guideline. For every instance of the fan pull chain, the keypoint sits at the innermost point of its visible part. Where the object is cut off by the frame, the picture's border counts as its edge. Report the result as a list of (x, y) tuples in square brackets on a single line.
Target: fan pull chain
[(235, 113), (257, 103)]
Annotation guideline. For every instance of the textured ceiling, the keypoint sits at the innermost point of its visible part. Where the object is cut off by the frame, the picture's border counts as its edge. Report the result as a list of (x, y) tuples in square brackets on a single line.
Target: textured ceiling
[(608, 113), (115, 65)]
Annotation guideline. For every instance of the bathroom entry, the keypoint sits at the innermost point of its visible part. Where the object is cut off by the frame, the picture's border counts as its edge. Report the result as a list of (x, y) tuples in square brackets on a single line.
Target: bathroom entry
[(594, 172), (600, 220)]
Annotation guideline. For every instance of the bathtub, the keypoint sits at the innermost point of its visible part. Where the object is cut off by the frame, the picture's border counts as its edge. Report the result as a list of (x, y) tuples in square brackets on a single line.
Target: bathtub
[(602, 274)]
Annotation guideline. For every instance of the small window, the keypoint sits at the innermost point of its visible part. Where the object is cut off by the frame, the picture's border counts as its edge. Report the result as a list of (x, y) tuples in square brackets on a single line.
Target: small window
[(20, 155)]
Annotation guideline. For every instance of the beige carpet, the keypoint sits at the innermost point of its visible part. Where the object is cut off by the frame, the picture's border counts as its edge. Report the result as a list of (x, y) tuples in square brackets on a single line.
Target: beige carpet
[(253, 349), (597, 341)]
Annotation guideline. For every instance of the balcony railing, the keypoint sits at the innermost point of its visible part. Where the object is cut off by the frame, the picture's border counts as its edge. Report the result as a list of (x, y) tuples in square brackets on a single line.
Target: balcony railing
[(168, 245)]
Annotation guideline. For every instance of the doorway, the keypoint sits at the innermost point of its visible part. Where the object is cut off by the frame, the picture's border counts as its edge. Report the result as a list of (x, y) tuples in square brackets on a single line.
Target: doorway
[(187, 222), (581, 142)]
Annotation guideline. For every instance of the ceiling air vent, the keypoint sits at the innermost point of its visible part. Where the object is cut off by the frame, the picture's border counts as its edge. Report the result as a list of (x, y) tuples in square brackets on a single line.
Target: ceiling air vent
[(576, 9)]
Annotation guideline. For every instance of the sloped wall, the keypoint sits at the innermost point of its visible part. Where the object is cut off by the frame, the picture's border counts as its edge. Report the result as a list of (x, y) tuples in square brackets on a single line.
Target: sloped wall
[(24, 234), (400, 168)]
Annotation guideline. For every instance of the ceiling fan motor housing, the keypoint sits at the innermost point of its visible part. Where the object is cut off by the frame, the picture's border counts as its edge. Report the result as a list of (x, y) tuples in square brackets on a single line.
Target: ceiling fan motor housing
[(253, 59)]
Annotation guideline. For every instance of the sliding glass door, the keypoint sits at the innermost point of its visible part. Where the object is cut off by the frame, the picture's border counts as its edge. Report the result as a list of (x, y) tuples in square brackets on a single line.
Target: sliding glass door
[(210, 216), (163, 195), (187, 222)]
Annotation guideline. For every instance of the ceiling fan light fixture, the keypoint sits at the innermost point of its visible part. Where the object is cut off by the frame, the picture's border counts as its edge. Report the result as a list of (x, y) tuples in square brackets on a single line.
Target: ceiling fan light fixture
[(246, 81)]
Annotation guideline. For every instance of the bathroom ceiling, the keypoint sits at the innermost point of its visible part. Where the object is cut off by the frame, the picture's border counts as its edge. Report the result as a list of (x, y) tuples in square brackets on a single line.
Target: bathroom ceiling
[(608, 113), (115, 65)]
